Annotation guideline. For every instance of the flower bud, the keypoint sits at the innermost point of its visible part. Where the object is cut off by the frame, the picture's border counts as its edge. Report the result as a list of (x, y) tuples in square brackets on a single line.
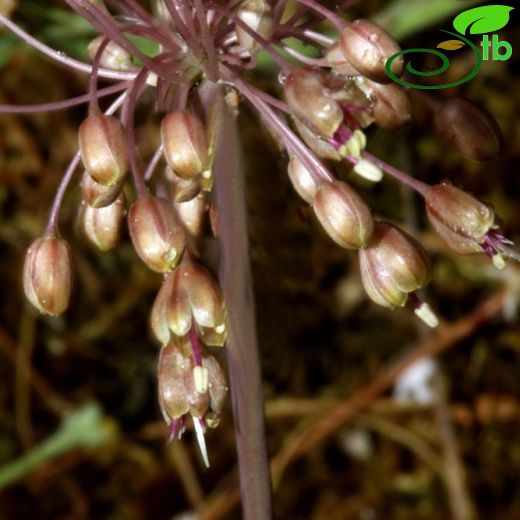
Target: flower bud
[(185, 387), (309, 100), (302, 180), (47, 275), (344, 215), (192, 213), (321, 147), (156, 233), (393, 106), (338, 63), (101, 227), (185, 145), (177, 393), (189, 296), (258, 15), (112, 57), (103, 147), (471, 130), (98, 195), (182, 190), (461, 220), (367, 46), (392, 265)]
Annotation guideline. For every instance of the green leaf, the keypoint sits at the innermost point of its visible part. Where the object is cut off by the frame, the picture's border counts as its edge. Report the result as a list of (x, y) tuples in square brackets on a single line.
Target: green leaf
[(450, 45), (482, 20)]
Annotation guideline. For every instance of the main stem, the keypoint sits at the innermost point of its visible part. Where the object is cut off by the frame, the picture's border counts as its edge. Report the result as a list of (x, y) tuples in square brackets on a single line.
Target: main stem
[(242, 347)]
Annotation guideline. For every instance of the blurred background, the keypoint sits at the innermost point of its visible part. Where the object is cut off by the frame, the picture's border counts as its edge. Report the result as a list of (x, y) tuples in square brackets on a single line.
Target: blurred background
[(80, 430)]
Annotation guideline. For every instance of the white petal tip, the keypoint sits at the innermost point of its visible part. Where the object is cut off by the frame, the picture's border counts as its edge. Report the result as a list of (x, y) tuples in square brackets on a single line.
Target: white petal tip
[(498, 261), (425, 313), (199, 431)]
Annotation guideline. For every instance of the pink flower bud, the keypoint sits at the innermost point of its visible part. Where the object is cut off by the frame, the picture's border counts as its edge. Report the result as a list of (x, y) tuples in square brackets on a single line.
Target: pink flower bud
[(392, 265), (367, 46), (103, 148), (156, 233), (257, 15), (344, 215), (461, 220), (321, 147), (182, 190), (192, 213), (302, 180), (102, 227), (185, 145), (393, 106), (310, 101), (188, 296), (338, 62), (47, 275), (98, 195), (471, 130)]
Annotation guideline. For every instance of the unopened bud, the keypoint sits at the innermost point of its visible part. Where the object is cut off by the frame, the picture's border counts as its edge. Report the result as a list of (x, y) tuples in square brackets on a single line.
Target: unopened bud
[(344, 215), (185, 144), (156, 233), (189, 295), (302, 180), (113, 56), (171, 311), (103, 148), (462, 221), (471, 130), (367, 46), (98, 195), (182, 190), (321, 147), (102, 227), (308, 99), (392, 265), (206, 302), (47, 275), (338, 62), (258, 16), (192, 213), (392, 108)]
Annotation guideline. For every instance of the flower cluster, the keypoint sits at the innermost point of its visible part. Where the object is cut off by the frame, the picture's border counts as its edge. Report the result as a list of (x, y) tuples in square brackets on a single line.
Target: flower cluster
[(324, 107)]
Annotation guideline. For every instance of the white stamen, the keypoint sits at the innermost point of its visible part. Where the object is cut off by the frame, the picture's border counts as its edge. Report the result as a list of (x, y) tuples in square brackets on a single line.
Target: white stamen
[(368, 170), (206, 174), (200, 379), (498, 261), (151, 79), (219, 329), (354, 146), (427, 315), (199, 430)]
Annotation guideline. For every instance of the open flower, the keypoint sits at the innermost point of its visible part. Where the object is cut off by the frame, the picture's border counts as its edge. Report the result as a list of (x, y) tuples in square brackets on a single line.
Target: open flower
[(466, 224)]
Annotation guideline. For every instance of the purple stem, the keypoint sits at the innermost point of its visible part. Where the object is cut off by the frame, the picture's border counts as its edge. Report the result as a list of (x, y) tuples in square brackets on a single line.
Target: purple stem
[(195, 346), (59, 105), (60, 57), (242, 347)]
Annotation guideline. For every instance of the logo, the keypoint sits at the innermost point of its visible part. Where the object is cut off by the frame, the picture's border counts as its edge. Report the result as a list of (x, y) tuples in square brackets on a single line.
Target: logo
[(480, 20)]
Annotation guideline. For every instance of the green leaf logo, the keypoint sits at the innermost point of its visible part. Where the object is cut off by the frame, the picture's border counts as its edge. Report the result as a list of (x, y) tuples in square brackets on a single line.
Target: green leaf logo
[(482, 20), (451, 45)]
